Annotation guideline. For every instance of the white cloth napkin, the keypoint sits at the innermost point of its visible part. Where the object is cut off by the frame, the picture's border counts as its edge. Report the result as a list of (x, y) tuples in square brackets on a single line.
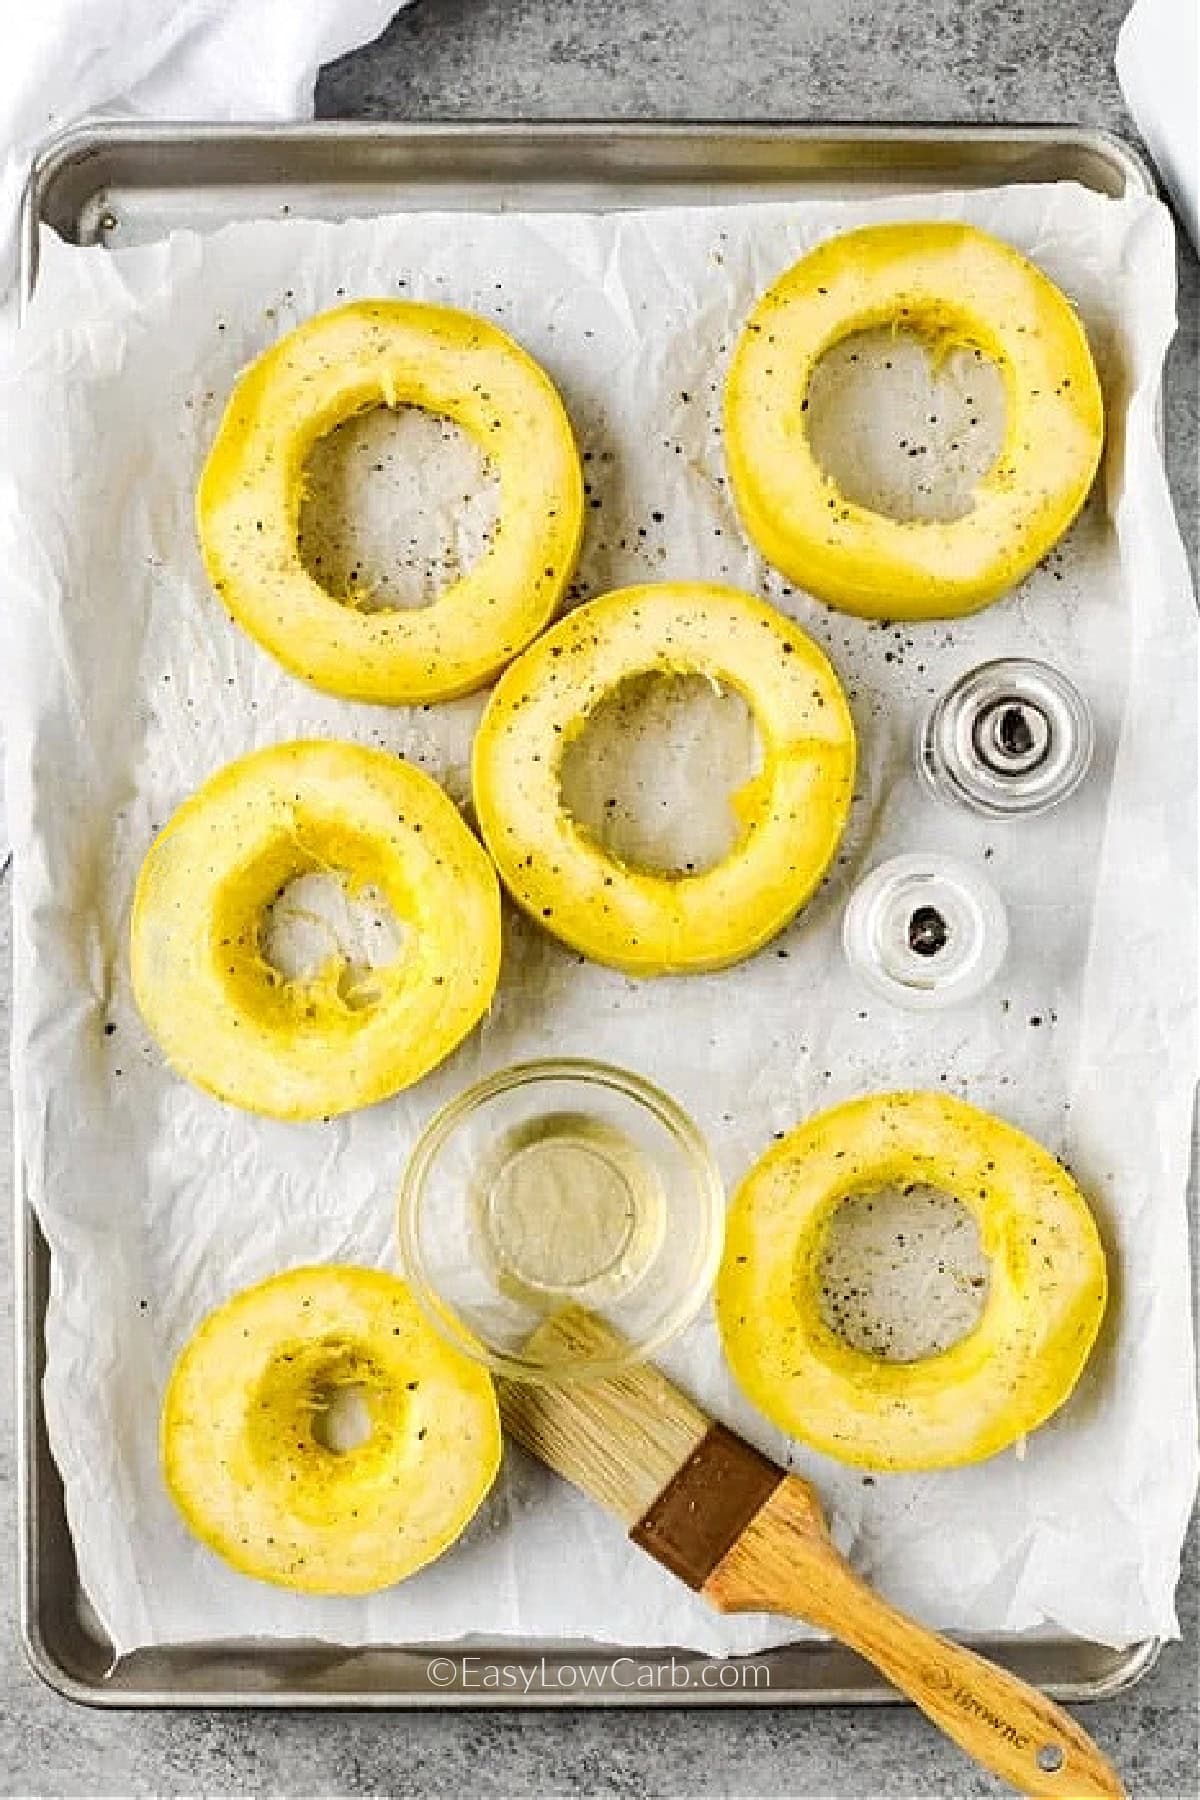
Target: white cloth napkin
[(162, 59), (1158, 66)]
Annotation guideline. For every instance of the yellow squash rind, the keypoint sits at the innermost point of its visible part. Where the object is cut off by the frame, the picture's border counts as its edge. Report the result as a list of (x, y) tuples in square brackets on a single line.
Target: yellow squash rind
[(792, 812), (1044, 1306), (252, 1480), (346, 361), (300, 1049), (955, 286)]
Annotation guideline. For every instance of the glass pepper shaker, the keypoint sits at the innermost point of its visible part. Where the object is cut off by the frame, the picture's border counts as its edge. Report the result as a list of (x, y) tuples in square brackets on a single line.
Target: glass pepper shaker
[(925, 931), (1010, 738)]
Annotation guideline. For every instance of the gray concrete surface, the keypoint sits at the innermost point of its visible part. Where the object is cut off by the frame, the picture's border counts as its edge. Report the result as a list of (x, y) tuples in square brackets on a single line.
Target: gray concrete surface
[(993, 60)]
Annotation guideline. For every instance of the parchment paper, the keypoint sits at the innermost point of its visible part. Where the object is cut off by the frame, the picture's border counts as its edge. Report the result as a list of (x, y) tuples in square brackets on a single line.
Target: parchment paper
[(125, 685)]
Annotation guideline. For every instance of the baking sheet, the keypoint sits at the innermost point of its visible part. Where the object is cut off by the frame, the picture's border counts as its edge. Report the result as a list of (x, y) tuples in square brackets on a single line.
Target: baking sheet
[(103, 616)]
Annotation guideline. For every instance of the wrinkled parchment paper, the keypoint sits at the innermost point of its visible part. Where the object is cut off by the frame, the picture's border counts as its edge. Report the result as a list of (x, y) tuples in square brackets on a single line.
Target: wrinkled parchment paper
[(125, 685)]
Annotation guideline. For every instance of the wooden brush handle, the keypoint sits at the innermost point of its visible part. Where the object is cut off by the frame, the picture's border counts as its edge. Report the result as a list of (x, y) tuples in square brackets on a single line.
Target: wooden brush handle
[(785, 1562)]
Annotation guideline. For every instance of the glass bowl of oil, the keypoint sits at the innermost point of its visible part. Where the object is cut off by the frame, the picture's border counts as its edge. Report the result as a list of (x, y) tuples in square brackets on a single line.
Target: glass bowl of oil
[(560, 1184)]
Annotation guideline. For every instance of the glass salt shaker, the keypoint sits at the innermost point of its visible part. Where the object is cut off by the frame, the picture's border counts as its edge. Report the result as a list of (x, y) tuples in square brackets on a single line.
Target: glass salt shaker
[(1010, 738), (925, 931)]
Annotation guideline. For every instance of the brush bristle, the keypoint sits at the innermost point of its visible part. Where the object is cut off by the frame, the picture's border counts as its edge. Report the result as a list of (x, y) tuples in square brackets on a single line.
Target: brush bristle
[(619, 1438)]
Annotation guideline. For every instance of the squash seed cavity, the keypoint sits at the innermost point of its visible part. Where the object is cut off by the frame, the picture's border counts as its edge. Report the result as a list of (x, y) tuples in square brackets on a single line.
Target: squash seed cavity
[(399, 504), (342, 1418), (904, 425), (653, 775), (902, 1275), (315, 919)]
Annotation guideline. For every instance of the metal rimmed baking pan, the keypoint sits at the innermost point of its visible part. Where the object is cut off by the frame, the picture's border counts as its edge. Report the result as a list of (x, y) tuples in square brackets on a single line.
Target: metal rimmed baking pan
[(126, 183)]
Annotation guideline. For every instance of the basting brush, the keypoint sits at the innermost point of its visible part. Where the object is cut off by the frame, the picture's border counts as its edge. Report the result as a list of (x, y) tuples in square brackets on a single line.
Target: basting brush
[(750, 1538)]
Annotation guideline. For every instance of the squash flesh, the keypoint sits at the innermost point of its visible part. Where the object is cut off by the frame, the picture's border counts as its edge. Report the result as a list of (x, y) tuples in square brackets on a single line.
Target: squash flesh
[(956, 287), (792, 813), (297, 1049), (1044, 1307), (391, 353), (251, 1477)]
